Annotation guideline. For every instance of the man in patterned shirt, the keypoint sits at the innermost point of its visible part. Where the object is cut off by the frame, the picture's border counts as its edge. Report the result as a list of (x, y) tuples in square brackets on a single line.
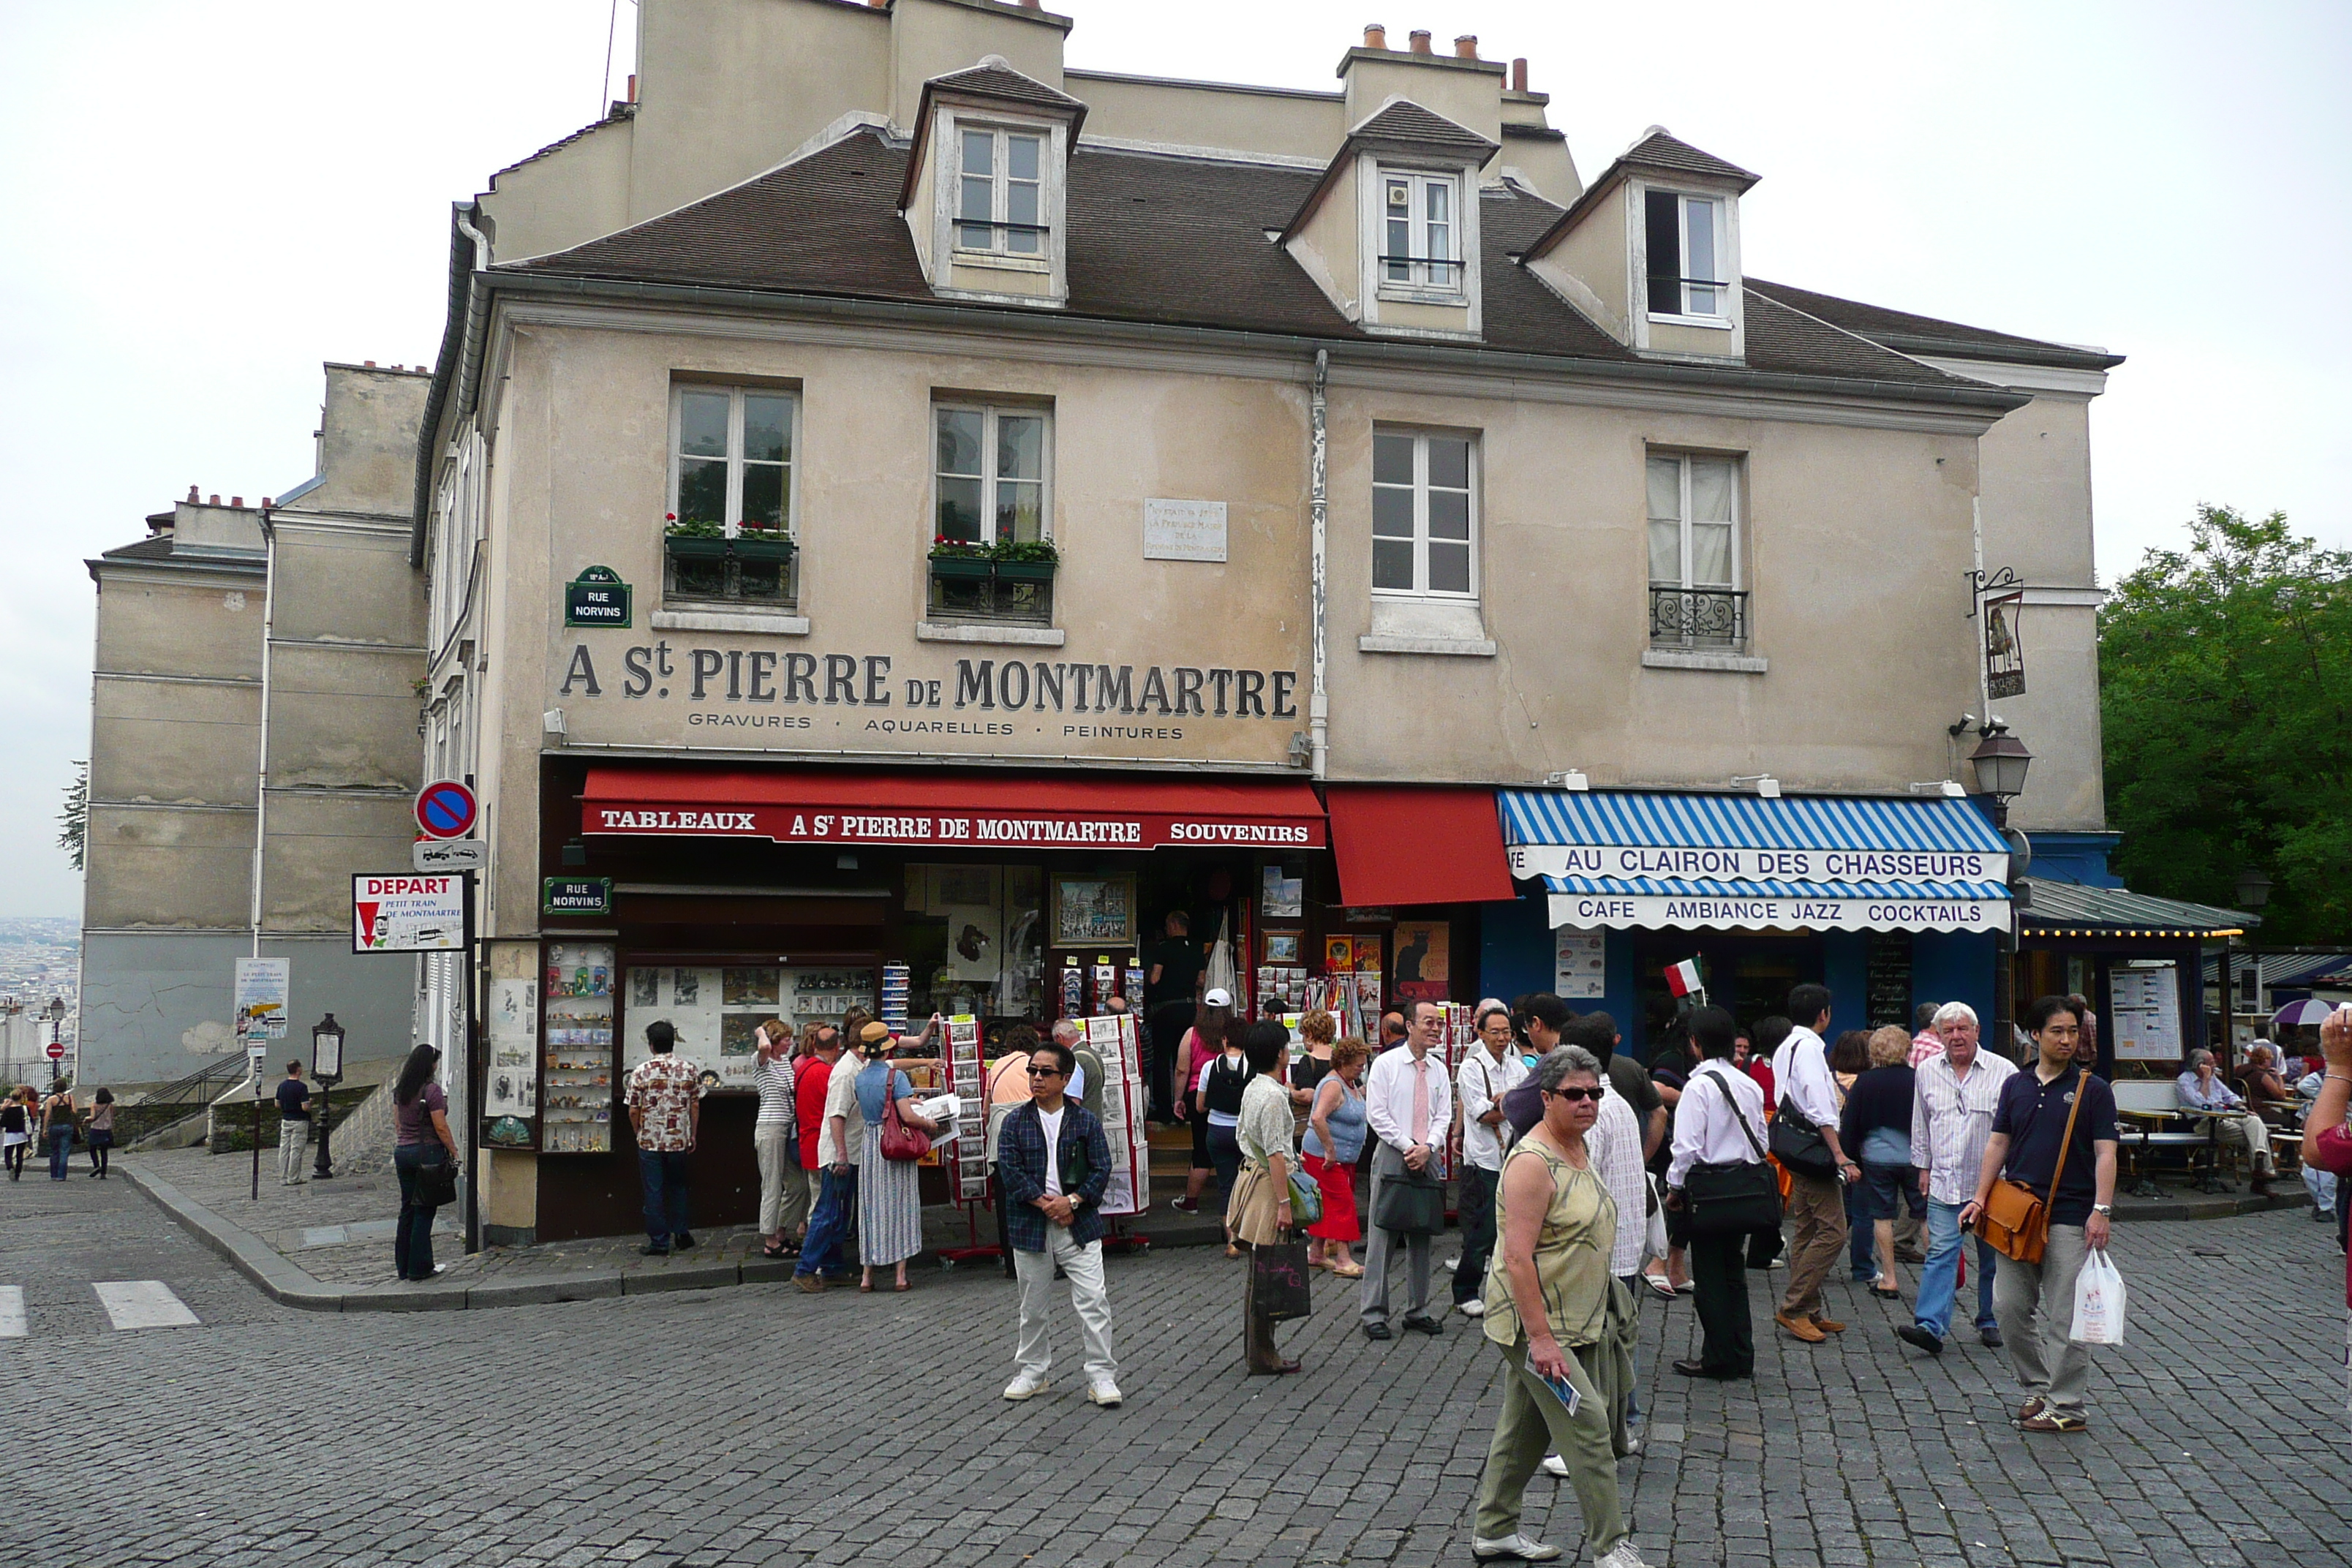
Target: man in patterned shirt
[(665, 1102)]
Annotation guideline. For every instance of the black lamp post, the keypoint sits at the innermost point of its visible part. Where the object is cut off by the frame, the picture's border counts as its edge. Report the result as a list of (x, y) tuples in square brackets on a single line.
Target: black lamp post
[(2001, 760), (326, 1069), (2253, 892), (56, 1012)]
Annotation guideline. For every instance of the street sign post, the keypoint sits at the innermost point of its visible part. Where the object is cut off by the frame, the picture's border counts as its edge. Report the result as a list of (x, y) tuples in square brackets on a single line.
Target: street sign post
[(450, 855), (57, 1050), (446, 809)]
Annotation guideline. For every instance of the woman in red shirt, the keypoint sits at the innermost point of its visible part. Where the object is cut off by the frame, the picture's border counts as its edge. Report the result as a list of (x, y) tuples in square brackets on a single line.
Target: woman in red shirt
[(820, 1048)]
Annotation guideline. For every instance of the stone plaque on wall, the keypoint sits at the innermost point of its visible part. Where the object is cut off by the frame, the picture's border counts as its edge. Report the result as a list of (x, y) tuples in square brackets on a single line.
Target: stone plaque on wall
[(1183, 529)]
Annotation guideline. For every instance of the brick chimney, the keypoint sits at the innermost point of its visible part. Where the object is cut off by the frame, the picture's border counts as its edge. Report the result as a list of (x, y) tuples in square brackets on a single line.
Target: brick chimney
[(1420, 37), (1375, 35), (1519, 74), (1466, 47)]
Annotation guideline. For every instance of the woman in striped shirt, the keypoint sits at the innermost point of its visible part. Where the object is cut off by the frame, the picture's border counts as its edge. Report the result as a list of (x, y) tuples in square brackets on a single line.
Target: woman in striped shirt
[(783, 1196)]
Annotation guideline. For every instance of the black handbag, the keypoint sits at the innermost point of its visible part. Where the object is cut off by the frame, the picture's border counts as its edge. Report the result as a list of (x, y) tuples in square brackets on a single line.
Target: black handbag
[(436, 1182), (1733, 1197), (1412, 1202), (1279, 1286), (1797, 1144)]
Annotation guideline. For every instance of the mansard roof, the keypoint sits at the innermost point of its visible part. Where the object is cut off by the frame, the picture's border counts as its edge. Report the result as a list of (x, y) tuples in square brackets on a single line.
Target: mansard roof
[(1160, 240)]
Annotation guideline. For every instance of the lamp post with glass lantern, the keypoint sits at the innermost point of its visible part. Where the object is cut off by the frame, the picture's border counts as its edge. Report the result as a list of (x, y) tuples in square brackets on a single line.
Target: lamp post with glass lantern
[(2001, 762), (2254, 891), (326, 1071), (56, 1014)]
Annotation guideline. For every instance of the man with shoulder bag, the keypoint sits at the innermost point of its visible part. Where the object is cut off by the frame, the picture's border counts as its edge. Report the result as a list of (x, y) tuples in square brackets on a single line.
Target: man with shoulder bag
[(1804, 1137), (2044, 1198), (1411, 1107), (1719, 1192)]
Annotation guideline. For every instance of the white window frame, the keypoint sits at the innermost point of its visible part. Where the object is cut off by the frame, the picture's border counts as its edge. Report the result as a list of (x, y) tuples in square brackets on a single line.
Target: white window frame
[(990, 413), (998, 246), (1721, 316), (1683, 461), (735, 460), (1421, 589), (1417, 282)]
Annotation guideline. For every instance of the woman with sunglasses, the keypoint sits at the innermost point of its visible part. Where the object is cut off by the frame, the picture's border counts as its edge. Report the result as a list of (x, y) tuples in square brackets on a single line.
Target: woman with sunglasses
[(1564, 1325)]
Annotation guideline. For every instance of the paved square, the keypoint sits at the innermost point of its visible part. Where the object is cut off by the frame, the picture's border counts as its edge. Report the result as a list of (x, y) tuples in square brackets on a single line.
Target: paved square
[(756, 1425)]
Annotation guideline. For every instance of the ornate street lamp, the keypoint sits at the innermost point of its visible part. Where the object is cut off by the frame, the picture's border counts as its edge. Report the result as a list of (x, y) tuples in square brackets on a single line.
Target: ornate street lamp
[(2254, 891), (2000, 761), (326, 1069)]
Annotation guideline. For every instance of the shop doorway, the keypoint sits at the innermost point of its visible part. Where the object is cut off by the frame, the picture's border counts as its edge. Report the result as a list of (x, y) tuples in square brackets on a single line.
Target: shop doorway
[(1748, 972)]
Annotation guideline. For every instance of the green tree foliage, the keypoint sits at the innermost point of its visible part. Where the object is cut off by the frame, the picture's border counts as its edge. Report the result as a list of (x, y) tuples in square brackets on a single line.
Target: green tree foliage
[(2225, 681), (73, 822)]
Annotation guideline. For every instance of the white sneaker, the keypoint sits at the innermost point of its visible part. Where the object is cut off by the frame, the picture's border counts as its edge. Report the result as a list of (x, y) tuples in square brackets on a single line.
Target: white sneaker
[(1024, 1388), (1553, 1465), (1624, 1555), (1473, 1308), (1523, 1549), (1104, 1394)]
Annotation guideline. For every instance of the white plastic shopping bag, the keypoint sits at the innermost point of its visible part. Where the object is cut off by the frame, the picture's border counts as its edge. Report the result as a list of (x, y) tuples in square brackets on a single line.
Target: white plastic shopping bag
[(2099, 1298)]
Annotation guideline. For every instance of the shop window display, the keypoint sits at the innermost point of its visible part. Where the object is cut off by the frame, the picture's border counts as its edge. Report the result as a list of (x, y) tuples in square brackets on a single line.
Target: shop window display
[(577, 1095), (975, 940), (717, 1009)]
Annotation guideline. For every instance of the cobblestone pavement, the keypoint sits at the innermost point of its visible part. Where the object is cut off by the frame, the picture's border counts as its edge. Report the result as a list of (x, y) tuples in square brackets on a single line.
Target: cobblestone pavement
[(756, 1425)]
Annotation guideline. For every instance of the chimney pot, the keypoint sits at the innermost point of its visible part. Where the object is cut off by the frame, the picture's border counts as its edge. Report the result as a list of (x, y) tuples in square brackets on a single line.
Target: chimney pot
[(633, 86), (1376, 37), (369, 363), (1519, 74), (192, 495), (1420, 37), (879, 4), (266, 504), (1466, 47), (214, 501)]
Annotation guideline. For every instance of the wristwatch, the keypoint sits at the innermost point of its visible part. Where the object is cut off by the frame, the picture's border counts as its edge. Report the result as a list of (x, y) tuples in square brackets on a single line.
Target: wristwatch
[(2103, 1208)]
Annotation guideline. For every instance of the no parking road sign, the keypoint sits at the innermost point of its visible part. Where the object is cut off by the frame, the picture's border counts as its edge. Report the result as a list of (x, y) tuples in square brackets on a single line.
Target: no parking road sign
[(446, 809)]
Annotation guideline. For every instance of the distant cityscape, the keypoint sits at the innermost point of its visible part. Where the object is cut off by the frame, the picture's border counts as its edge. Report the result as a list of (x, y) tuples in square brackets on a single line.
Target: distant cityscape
[(40, 959)]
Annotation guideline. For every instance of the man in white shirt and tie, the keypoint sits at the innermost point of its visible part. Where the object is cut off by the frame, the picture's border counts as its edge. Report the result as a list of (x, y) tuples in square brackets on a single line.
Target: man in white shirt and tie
[(1410, 1107), (1816, 1207), (1709, 1131)]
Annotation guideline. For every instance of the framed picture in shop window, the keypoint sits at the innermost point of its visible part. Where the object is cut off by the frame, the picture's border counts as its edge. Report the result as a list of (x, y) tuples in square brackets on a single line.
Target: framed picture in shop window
[(1094, 911), (1282, 947)]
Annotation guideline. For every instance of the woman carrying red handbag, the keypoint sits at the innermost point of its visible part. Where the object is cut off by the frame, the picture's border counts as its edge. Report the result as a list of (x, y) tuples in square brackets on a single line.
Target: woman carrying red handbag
[(890, 1210)]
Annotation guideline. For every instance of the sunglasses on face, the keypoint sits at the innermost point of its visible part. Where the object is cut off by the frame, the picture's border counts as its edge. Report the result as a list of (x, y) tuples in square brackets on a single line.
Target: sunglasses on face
[(1045, 1072), (1572, 1095)]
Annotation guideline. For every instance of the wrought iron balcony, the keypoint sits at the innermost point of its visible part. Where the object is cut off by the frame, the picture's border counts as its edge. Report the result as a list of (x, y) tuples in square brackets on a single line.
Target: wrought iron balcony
[(1697, 617)]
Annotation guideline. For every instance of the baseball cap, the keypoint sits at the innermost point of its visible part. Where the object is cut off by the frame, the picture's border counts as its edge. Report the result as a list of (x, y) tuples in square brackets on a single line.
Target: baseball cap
[(1217, 996)]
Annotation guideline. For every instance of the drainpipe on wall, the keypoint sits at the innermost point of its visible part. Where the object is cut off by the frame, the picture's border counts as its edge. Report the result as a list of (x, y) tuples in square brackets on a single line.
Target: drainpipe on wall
[(261, 766), (1319, 701)]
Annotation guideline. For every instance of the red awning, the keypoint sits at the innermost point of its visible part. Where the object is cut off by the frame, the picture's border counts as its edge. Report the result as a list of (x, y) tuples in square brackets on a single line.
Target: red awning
[(1411, 843), (992, 810)]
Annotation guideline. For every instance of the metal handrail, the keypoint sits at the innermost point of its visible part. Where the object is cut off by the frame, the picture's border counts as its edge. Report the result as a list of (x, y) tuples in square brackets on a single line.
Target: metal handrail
[(192, 1088)]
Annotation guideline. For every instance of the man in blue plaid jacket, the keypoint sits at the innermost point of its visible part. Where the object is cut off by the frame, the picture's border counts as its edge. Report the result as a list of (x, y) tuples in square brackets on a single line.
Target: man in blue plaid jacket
[(1055, 1163)]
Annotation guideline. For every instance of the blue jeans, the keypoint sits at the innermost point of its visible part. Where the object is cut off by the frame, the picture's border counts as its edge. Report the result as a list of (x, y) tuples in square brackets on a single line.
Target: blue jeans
[(836, 1200), (60, 1151), (1860, 1245), (411, 1239), (1940, 1275), (664, 1175)]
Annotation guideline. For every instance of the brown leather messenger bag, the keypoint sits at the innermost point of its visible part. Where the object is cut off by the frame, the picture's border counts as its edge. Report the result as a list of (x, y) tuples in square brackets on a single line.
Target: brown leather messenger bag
[(2015, 1222)]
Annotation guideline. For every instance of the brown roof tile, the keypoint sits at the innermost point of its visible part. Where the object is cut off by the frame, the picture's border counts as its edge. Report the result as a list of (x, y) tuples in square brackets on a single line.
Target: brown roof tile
[(1921, 334), (1407, 121), (1002, 81), (1660, 151)]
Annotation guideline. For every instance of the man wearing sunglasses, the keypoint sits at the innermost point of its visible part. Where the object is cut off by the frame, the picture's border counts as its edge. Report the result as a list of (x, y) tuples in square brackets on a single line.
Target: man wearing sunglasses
[(1053, 1162)]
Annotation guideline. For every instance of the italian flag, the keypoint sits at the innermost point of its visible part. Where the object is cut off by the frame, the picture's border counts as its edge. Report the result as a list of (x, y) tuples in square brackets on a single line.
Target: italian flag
[(1683, 979)]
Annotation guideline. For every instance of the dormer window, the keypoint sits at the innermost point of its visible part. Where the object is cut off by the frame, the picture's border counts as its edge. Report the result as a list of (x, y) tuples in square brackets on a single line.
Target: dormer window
[(1684, 235), (1420, 244), (1001, 202)]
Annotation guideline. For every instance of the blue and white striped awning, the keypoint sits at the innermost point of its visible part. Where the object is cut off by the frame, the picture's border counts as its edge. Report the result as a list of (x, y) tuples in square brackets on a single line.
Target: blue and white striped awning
[(1624, 858)]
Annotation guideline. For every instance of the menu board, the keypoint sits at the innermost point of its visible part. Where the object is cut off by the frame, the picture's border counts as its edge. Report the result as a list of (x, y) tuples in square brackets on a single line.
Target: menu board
[(576, 1070), (1888, 1000), (1579, 963), (2144, 1008)]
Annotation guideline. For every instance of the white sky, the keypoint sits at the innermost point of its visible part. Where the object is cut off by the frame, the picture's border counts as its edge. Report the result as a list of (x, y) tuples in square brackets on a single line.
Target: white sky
[(206, 200)]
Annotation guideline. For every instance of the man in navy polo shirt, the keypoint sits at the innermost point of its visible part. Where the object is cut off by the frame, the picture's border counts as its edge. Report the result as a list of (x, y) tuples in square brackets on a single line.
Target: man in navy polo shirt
[(2035, 1301)]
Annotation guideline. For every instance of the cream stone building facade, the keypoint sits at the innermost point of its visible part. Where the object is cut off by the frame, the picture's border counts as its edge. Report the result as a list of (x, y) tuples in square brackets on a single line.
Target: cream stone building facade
[(875, 431), (255, 682)]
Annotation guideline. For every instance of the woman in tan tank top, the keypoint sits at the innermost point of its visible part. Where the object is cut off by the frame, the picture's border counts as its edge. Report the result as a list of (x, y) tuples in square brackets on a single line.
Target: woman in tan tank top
[(1563, 1325)]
